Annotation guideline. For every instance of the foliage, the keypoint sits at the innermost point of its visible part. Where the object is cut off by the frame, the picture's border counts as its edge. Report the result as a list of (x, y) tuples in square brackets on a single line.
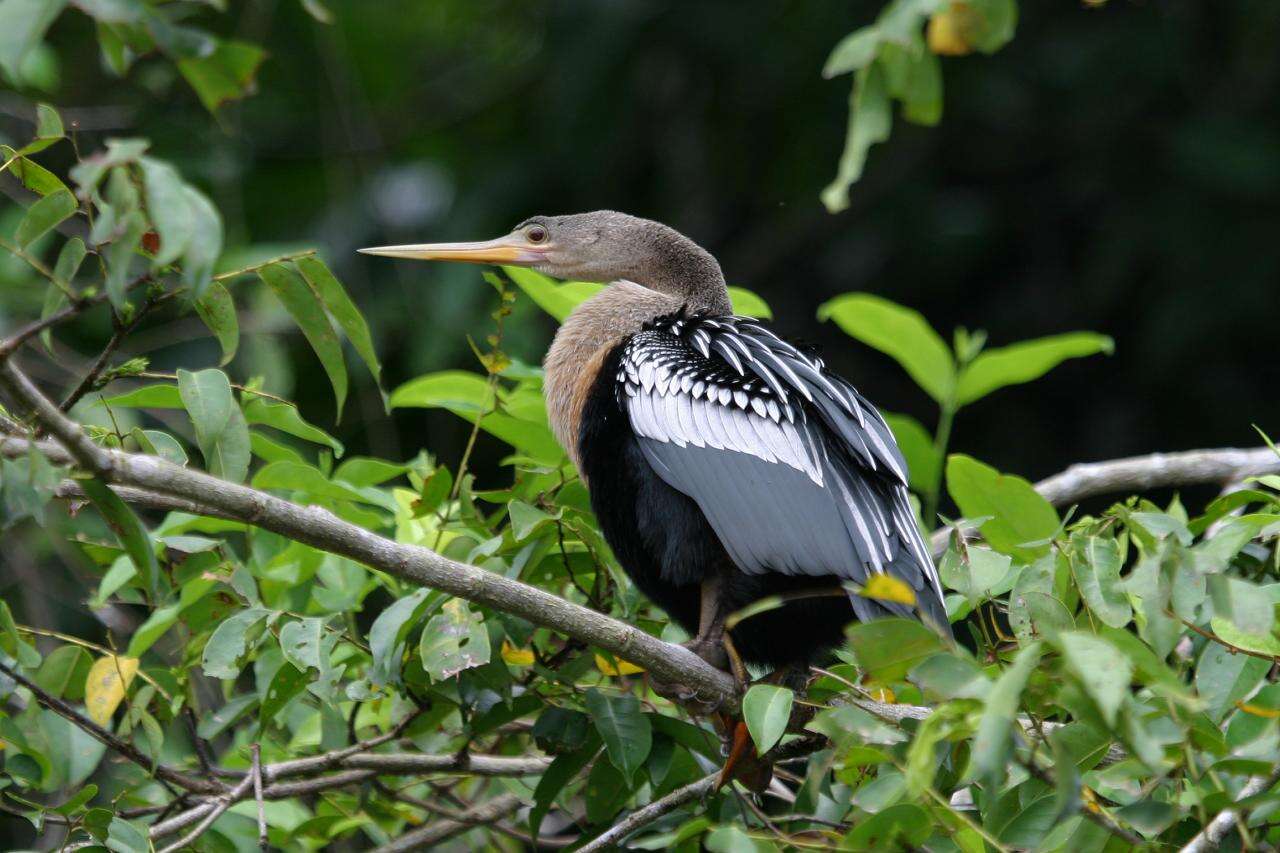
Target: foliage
[(1112, 685)]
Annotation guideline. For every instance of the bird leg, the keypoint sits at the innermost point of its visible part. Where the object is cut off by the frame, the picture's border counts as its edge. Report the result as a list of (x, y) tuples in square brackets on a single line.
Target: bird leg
[(709, 643)]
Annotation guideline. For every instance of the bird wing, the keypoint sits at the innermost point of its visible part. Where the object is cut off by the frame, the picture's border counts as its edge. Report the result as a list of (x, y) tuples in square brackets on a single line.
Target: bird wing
[(795, 471)]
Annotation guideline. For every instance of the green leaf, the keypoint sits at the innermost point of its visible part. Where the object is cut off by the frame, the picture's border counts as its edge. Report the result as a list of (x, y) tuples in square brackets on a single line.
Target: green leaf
[(22, 26), (899, 332), (124, 836), (994, 739), (48, 130), (119, 257), (43, 216), (304, 306), (855, 51), (128, 529), (1023, 362), (561, 771), (63, 672), (766, 709), (224, 75), (914, 78), (388, 632), (12, 644), (870, 120), (556, 298), (285, 417), (1102, 670), (526, 519), (218, 311), (335, 298), (888, 648), (1095, 562), (999, 21), (748, 304), (231, 641), (287, 683), (605, 792), (455, 639), (1223, 677), (1017, 514), (68, 264), (168, 209), (626, 732), (206, 243), (1248, 608), (924, 462), (155, 396), (221, 430), (214, 724), (34, 177)]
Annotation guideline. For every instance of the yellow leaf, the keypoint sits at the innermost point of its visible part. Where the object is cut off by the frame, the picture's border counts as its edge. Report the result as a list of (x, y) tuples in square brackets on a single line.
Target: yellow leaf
[(888, 588), (950, 32), (882, 694), (104, 689), (623, 668), (516, 657)]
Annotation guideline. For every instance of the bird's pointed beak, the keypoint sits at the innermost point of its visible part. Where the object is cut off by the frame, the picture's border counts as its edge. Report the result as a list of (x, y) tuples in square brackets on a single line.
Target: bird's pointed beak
[(512, 249)]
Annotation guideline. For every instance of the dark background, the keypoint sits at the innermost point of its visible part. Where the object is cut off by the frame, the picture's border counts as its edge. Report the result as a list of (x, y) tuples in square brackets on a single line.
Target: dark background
[(1113, 169)]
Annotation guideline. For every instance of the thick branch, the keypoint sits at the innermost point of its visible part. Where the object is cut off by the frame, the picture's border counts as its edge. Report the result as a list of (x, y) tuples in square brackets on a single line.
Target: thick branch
[(322, 529), (1155, 471), (1226, 820)]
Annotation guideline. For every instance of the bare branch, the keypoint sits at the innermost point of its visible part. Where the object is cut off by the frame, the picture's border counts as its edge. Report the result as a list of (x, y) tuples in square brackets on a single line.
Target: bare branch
[(256, 772), (216, 808), (647, 815), (438, 831)]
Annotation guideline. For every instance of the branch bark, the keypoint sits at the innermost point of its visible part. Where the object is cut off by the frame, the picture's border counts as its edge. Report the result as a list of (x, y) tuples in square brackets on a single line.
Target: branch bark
[(1226, 820), (441, 830), (644, 816)]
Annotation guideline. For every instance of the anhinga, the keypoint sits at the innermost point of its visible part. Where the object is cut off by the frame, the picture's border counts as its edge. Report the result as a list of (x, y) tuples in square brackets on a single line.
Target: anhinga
[(724, 464)]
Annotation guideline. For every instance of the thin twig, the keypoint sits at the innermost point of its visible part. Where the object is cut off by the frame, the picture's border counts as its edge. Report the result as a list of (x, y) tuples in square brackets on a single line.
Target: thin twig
[(434, 833), (1214, 638), (256, 749), (121, 331), (126, 749), (215, 809), (644, 816)]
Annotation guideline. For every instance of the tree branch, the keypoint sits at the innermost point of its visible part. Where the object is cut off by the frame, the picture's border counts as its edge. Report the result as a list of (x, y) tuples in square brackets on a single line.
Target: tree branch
[(322, 529), (1220, 827), (1155, 471)]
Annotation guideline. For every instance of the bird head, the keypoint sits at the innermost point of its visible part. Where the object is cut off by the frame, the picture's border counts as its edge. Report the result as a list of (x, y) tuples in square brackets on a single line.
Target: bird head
[(602, 246)]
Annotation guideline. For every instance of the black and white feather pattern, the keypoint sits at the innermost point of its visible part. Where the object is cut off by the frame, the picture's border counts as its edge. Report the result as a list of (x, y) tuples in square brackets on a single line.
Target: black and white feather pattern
[(795, 471)]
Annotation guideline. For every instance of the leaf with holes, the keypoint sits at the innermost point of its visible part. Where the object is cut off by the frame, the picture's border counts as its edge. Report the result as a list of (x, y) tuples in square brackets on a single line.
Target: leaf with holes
[(455, 639)]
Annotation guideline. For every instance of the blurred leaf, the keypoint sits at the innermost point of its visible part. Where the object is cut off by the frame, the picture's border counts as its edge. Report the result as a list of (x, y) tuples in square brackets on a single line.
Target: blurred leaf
[(855, 51), (900, 826), (616, 667), (1102, 670), (455, 639), (70, 257), (206, 243), (125, 837), (900, 333), (22, 25), (335, 298), (317, 10), (221, 430), (45, 215), (915, 78), (870, 119), (748, 304), (168, 208), (605, 792), (215, 723), (133, 537), (218, 311), (287, 683), (119, 258), (304, 306), (1023, 362), (556, 298), (994, 739), (562, 770), (105, 686), (924, 462), (887, 648), (1250, 609), (226, 74), (516, 656), (12, 644), (1223, 677), (231, 641), (1017, 514), (766, 709), (48, 130), (625, 731)]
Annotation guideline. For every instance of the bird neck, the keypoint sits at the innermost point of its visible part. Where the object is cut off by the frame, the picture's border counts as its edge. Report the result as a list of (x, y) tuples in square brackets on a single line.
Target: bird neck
[(584, 342), (679, 267)]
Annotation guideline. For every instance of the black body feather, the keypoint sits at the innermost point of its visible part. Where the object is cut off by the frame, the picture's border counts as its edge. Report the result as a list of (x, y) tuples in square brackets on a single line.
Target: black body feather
[(784, 480)]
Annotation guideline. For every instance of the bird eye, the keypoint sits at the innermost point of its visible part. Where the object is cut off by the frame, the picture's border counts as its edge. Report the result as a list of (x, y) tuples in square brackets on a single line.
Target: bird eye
[(536, 234)]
